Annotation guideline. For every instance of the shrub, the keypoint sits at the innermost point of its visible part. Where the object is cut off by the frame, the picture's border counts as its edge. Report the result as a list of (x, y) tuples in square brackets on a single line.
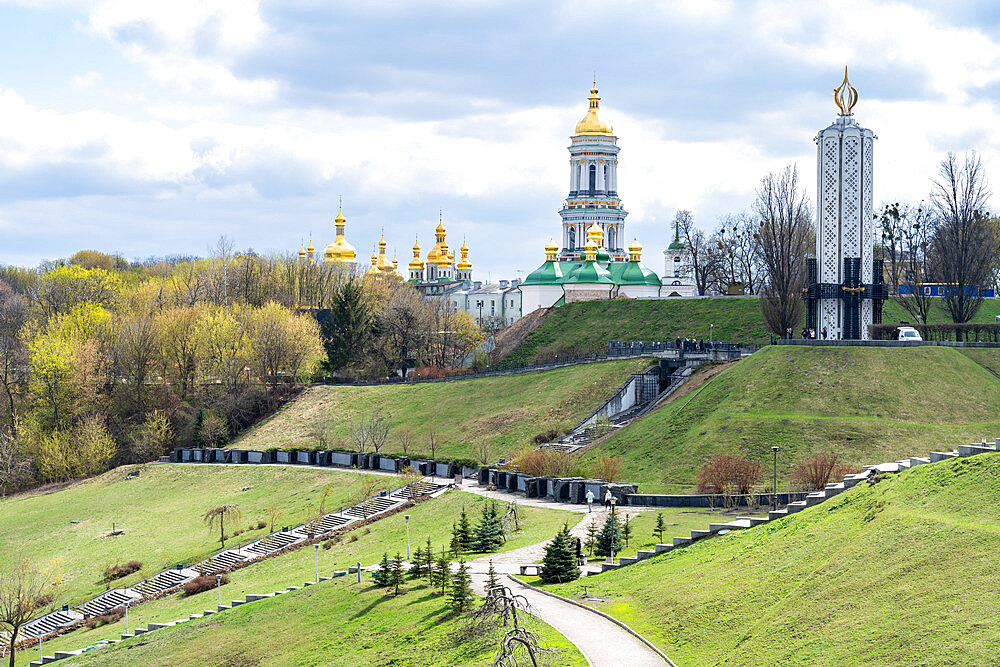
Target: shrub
[(546, 436), (729, 476), (608, 468), (261, 524), (542, 462), (201, 584), (112, 616), (119, 570), (816, 470)]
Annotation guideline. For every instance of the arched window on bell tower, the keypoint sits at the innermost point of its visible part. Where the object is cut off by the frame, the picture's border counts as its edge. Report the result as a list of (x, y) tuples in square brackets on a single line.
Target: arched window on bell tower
[(572, 238), (612, 238), (593, 178)]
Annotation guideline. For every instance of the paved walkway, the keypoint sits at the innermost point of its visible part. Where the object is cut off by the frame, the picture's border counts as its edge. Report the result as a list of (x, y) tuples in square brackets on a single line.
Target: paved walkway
[(604, 643)]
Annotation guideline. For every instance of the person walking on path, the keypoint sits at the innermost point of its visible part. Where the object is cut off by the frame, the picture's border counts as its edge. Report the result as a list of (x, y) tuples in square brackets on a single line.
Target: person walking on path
[(579, 551), (590, 501), (607, 499)]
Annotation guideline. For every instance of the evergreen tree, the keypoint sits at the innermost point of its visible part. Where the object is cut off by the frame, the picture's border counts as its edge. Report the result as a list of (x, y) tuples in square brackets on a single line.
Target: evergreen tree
[(610, 538), (492, 580), (456, 543), (464, 531), (442, 572), (395, 575), (199, 419), (559, 564), (347, 326), (429, 562), (659, 527), (591, 540), (381, 576), (489, 531), (417, 565), (627, 529), (461, 588)]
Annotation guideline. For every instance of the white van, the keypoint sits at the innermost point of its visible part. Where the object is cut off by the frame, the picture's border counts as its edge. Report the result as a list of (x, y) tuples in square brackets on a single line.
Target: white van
[(909, 334)]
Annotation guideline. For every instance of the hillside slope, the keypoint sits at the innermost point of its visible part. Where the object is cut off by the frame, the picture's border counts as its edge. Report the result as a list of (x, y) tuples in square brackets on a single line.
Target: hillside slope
[(863, 403), (504, 411), (901, 573), (586, 327)]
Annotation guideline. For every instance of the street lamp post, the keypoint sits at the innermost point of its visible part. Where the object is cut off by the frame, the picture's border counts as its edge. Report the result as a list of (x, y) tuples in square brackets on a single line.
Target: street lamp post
[(126, 618), (317, 562), (611, 558), (711, 328), (774, 497), (407, 517), (218, 588)]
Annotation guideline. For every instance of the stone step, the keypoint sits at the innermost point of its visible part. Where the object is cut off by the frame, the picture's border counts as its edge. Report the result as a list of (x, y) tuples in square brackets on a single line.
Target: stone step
[(662, 548), (941, 456), (918, 461), (627, 560), (972, 450), (698, 534), (643, 554), (777, 514), (681, 541), (754, 520)]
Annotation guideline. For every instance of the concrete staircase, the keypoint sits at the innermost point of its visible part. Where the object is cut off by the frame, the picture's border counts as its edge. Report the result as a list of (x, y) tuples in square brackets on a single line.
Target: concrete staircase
[(832, 489), (161, 581), (108, 600)]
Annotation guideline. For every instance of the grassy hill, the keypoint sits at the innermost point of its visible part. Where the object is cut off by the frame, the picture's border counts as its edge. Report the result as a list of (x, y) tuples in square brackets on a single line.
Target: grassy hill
[(505, 411), (336, 623), (586, 327), (427, 519), (867, 404), (894, 574), (160, 512)]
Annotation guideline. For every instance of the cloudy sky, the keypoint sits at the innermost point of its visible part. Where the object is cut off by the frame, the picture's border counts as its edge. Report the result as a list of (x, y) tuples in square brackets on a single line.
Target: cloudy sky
[(152, 128)]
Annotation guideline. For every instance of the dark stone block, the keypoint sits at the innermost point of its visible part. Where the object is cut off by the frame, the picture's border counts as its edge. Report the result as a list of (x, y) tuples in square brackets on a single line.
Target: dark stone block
[(239, 456), (344, 459), (283, 456), (482, 476), (322, 458), (306, 457), (270, 456), (254, 456)]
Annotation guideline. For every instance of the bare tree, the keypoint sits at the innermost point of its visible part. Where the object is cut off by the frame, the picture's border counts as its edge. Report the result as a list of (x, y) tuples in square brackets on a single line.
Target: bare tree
[(482, 451), (964, 239), (782, 239), (21, 589), (370, 430), (321, 428), (735, 252), (702, 259), (911, 228), (13, 356), (13, 467)]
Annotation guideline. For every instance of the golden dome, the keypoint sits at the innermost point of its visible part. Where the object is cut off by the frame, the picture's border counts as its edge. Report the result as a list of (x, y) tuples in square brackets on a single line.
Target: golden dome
[(464, 264), (551, 248), (302, 251), (590, 250), (439, 253), (340, 250), (590, 123), (373, 269), (415, 263), (634, 250), (595, 234), (383, 264)]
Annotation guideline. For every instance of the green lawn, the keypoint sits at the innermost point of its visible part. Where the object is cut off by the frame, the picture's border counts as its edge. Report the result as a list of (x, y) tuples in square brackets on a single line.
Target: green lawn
[(338, 622), (586, 327), (505, 412), (160, 512), (432, 518), (867, 404), (902, 573)]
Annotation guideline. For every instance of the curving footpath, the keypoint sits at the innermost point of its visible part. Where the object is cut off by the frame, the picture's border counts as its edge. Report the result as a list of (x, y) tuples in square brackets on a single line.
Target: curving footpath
[(601, 640)]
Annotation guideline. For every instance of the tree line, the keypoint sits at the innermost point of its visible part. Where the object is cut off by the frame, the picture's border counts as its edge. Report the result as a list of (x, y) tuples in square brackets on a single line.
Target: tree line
[(104, 362)]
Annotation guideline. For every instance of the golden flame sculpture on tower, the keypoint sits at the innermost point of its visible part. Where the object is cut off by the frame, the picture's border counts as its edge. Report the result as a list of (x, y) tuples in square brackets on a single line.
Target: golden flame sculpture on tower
[(845, 95)]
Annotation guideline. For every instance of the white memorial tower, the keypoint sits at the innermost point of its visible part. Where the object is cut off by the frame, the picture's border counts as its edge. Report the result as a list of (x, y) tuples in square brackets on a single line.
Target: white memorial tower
[(845, 289)]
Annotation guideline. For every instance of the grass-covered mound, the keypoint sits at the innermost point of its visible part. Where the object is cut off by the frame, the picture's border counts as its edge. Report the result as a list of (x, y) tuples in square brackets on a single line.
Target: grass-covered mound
[(586, 327), (867, 404), (336, 623), (160, 512), (902, 573), (431, 518), (504, 411)]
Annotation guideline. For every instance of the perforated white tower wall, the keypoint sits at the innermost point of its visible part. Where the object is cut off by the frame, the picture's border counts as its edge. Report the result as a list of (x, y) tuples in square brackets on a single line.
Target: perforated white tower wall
[(845, 227)]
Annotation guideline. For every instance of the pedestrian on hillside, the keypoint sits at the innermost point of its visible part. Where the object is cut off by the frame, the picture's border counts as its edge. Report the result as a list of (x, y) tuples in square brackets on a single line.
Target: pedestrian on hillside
[(607, 499), (579, 551), (590, 501)]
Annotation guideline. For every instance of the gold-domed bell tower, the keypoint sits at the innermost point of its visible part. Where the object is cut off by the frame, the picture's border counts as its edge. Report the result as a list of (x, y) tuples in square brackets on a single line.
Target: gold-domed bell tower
[(463, 269), (340, 251), (416, 265)]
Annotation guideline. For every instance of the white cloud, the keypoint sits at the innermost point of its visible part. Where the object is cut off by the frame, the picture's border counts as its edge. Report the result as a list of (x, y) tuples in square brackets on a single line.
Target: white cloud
[(85, 81)]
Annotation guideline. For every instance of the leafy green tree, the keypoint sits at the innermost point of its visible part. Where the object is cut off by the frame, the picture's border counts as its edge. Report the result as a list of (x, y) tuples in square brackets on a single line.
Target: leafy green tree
[(559, 564), (395, 579), (381, 576), (489, 532), (220, 514), (659, 527), (461, 588), (609, 540)]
